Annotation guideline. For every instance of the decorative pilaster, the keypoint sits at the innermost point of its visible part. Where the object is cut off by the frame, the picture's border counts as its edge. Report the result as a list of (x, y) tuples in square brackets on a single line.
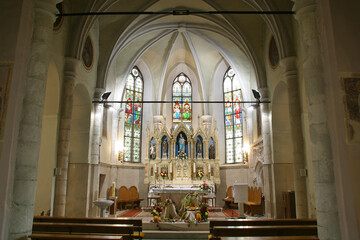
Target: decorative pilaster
[(268, 164), (70, 75), (322, 159), (95, 151), (290, 75), (29, 136)]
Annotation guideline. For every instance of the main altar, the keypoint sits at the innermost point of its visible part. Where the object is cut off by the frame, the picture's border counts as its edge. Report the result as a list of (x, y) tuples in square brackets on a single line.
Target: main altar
[(180, 159)]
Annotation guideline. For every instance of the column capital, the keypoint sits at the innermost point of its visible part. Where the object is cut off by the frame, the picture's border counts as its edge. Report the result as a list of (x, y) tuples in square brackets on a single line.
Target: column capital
[(264, 92), (47, 7), (289, 66), (304, 6), (98, 93)]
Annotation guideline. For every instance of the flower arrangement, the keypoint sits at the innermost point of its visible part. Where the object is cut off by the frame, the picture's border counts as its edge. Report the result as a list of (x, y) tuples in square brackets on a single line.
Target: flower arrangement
[(156, 211), (205, 187), (163, 174), (200, 174), (203, 210), (182, 155)]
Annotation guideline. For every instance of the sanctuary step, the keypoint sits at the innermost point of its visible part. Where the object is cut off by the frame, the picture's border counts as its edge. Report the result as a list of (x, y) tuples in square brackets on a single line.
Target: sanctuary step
[(159, 234)]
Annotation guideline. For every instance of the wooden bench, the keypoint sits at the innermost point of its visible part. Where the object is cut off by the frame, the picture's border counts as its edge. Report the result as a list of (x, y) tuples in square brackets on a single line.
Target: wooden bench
[(124, 230), (272, 238), (283, 230), (229, 199), (259, 223), (58, 236), (254, 206), (128, 197), (135, 222)]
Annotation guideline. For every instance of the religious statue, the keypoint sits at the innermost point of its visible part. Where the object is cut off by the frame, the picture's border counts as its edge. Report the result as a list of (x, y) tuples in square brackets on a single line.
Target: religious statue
[(165, 148), (181, 143), (212, 151), (152, 151), (198, 148)]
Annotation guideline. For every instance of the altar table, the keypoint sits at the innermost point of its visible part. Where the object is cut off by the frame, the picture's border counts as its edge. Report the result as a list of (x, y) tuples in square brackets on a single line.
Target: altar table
[(175, 194)]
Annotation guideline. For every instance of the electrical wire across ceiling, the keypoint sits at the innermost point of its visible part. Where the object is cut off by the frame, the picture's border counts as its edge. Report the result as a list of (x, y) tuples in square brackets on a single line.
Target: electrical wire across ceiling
[(154, 101), (175, 13)]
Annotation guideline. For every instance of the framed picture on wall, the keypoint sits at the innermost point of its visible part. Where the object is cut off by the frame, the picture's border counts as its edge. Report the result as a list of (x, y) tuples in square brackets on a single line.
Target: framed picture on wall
[(88, 54), (5, 76)]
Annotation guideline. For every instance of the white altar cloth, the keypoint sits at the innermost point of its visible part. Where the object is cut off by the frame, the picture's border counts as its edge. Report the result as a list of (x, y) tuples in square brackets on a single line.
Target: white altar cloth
[(154, 191)]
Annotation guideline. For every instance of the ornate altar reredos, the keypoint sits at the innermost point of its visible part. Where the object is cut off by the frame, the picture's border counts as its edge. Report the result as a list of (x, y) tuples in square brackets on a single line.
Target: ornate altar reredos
[(182, 155)]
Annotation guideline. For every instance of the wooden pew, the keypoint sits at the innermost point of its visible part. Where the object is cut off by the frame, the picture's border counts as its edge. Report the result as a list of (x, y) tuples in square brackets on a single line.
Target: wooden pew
[(259, 223), (283, 230), (272, 238), (58, 236), (136, 222), (124, 230)]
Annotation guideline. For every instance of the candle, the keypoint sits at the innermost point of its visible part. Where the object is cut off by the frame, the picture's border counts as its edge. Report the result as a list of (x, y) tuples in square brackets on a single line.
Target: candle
[(113, 189), (155, 169), (209, 168), (194, 167), (170, 167)]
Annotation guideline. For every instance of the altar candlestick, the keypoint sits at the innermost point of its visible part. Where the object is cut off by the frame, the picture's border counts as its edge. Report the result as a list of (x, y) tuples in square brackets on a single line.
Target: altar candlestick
[(113, 189)]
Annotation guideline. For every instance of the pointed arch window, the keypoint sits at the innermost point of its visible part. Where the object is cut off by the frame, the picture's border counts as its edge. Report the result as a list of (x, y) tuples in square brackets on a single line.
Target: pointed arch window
[(133, 116), (182, 109), (233, 118)]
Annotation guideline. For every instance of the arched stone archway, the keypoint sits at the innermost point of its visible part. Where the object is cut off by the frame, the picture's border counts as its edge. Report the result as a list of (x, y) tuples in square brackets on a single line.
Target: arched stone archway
[(78, 171), (282, 147), (48, 146)]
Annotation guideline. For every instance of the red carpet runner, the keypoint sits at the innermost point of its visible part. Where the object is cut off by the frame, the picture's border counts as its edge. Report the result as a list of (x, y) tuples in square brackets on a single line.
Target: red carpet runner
[(130, 213)]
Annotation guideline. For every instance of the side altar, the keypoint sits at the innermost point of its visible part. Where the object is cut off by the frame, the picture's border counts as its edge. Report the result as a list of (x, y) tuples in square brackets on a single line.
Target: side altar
[(182, 156)]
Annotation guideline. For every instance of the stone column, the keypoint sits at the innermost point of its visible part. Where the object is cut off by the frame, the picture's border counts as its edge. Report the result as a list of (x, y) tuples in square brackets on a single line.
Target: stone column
[(29, 135), (95, 152), (290, 75), (322, 159), (70, 74), (268, 163)]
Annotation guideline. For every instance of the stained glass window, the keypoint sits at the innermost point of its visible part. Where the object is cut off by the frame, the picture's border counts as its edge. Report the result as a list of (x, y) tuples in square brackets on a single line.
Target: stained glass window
[(182, 100), (133, 116), (233, 118)]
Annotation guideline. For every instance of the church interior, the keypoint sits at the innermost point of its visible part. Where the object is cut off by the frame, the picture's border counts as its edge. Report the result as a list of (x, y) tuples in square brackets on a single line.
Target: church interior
[(248, 107)]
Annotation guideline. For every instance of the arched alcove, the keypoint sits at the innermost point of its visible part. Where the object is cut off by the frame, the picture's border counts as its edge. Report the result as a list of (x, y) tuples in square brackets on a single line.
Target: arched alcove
[(48, 145), (78, 172), (282, 147)]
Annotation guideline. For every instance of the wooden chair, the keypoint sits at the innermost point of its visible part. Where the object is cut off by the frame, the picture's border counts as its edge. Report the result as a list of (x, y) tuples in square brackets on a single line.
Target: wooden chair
[(254, 204), (133, 198), (229, 199), (123, 197)]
